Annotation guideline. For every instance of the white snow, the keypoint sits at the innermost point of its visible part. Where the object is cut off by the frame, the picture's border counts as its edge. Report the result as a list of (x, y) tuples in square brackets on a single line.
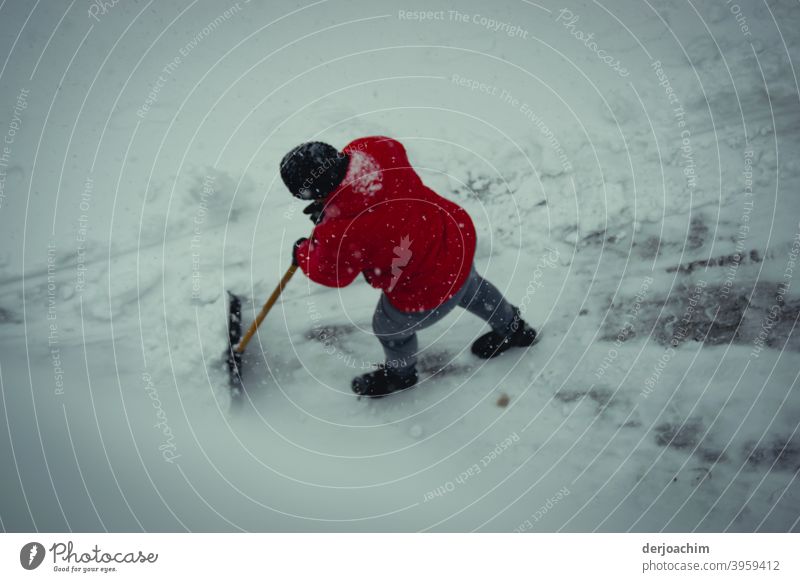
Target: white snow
[(363, 174), (582, 183)]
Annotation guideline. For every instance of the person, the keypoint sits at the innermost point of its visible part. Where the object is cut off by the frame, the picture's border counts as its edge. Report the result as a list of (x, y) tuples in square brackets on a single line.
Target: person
[(372, 214)]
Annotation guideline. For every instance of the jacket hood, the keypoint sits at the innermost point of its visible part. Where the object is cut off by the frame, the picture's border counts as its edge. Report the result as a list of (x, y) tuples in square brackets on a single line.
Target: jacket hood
[(366, 182)]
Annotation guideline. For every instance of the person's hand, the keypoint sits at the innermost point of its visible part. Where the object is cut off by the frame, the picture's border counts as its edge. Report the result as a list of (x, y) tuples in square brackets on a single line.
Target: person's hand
[(315, 211), (295, 246)]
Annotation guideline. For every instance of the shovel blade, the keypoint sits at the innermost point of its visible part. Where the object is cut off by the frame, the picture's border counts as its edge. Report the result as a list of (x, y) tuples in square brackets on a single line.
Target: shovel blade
[(233, 358)]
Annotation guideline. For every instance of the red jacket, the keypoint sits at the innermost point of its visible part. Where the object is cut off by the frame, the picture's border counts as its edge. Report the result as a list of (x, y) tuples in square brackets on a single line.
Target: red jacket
[(384, 222)]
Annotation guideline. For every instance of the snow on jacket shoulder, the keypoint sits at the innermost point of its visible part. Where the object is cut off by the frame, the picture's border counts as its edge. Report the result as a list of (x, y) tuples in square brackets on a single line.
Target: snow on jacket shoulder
[(384, 222)]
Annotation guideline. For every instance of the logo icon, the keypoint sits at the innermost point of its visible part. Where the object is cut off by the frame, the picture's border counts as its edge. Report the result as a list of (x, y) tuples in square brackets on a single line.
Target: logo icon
[(31, 555), (402, 254)]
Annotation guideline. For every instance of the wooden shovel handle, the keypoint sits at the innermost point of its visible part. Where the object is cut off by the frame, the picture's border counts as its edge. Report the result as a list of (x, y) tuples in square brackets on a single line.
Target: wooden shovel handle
[(265, 309)]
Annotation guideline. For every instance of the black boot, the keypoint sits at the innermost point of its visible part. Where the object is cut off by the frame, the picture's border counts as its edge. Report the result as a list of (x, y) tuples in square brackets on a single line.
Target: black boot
[(492, 344), (383, 381)]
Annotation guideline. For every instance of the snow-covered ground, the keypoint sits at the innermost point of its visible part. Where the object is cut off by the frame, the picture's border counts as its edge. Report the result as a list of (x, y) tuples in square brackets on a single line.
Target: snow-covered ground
[(636, 191)]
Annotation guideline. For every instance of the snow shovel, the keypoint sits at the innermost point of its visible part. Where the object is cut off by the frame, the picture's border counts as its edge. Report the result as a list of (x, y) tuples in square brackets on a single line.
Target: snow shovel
[(237, 343)]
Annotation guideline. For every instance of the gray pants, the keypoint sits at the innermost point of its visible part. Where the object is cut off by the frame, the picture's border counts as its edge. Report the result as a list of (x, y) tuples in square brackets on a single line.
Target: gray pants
[(397, 329)]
